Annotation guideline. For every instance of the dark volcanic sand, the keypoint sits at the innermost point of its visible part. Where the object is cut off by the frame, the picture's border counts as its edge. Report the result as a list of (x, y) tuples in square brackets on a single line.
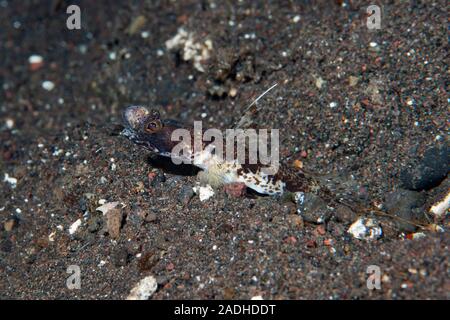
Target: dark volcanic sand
[(61, 143)]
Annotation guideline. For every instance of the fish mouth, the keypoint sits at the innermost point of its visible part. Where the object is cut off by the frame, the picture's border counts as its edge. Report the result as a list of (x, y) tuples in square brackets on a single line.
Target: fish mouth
[(134, 137), (129, 133)]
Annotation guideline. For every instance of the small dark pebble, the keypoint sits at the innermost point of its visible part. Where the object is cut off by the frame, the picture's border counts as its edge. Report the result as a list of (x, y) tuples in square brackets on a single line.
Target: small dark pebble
[(430, 170), (120, 257), (156, 178), (161, 280), (185, 195), (229, 293), (83, 204), (336, 229), (6, 245), (95, 223), (148, 261), (224, 228), (406, 204), (344, 214), (151, 217), (313, 209)]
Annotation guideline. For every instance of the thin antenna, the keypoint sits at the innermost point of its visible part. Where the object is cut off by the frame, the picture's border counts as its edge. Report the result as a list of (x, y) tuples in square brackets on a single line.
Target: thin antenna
[(262, 95), (249, 111)]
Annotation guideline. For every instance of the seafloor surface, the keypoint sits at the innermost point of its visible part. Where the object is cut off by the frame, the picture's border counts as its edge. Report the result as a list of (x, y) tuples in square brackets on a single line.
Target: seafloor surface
[(361, 106)]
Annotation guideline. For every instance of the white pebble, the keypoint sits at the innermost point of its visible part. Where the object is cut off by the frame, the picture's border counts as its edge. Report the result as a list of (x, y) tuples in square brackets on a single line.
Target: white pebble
[(51, 236), (418, 235), (105, 207), (145, 34), (144, 289), (9, 123), (102, 263), (73, 228), (204, 192), (11, 180), (35, 58), (296, 19), (333, 104), (442, 206), (48, 85), (365, 229)]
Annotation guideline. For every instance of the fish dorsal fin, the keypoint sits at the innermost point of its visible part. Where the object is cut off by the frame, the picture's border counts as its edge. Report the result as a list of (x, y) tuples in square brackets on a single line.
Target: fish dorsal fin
[(250, 112)]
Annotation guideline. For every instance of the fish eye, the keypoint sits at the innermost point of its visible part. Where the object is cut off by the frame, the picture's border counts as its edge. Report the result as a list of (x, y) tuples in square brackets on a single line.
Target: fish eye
[(153, 126)]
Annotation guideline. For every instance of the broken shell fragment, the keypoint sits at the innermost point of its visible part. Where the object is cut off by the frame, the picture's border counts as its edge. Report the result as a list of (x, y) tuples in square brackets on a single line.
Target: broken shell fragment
[(365, 229), (204, 193), (442, 206), (144, 289)]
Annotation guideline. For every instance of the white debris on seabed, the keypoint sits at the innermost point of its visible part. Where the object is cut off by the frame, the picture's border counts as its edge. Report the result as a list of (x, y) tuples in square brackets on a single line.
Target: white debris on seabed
[(333, 104), (191, 50), (57, 152), (435, 228), (105, 207), (113, 164), (35, 58), (442, 206), (319, 82), (73, 228), (299, 200), (257, 298), (204, 193), (365, 229), (35, 61), (410, 102), (9, 123), (51, 236), (48, 85), (11, 180), (417, 235), (144, 289), (296, 19), (112, 55), (101, 263)]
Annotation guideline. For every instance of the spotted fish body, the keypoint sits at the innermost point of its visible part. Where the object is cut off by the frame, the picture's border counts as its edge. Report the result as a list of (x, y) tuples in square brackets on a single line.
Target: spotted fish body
[(145, 127)]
